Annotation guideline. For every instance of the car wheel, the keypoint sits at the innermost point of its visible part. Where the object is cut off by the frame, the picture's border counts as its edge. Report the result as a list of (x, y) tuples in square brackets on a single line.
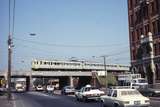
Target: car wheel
[(151, 94), (116, 105), (84, 99), (77, 98), (102, 104)]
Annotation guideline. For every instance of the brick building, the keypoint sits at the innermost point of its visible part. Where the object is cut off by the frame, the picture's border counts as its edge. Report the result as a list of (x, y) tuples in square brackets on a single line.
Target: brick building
[(144, 17)]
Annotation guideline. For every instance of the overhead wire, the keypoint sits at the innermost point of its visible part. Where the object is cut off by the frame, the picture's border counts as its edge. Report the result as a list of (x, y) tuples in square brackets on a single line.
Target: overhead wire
[(64, 45)]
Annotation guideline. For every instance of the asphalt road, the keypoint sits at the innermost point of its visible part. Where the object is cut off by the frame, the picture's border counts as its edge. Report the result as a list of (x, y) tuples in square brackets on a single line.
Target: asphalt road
[(34, 99), (37, 99)]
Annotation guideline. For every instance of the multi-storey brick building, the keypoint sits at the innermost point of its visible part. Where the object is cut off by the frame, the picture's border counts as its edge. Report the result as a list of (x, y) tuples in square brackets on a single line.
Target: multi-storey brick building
[(144, 17)]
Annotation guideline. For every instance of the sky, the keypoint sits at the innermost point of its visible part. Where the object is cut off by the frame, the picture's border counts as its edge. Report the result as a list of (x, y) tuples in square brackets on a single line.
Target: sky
[(65, 29)]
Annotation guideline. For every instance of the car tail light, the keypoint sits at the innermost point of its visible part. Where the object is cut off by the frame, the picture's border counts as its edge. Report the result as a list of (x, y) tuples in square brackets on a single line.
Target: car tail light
[(88, 95), (147, 101), (102, 94)]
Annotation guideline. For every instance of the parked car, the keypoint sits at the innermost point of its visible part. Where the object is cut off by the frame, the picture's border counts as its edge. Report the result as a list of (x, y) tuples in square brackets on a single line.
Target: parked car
[(2, 90), (124, 98), (39, 88), (151, 92), (68, 90), (88, 92)]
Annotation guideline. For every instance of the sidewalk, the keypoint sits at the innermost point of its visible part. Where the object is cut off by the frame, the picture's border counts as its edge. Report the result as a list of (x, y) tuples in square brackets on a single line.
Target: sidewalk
[(4, 102)]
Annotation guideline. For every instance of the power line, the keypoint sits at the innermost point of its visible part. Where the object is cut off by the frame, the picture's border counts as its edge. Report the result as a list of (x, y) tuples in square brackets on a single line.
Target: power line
[(64, 45), (35, 48)]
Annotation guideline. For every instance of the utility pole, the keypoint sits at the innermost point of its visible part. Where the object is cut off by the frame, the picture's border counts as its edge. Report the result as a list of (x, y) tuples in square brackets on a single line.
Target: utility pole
[(104, 62), (9, 67)]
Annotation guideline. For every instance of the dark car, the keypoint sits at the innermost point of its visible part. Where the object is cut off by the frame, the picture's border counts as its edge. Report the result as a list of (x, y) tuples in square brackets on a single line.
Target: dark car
[(68, 90), (151, 92)]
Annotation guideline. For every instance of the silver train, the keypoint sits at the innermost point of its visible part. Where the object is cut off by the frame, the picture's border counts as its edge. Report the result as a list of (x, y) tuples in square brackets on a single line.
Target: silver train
[(72, 65)]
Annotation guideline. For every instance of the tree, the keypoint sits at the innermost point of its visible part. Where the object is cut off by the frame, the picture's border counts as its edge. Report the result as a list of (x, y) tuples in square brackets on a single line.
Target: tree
[(111, 80)]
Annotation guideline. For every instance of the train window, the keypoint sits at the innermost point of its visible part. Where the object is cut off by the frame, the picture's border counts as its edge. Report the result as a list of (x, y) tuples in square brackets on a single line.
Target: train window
[(34, 62), (40, 62), (57, 63), (44, 63)]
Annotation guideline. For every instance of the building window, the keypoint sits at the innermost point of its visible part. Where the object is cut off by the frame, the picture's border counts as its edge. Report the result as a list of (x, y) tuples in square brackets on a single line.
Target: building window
[(136, 2), (141, 31), (154, 8), (132, 36), (157, 6), (158, 25), (130, 4), (146, 12), (137, 35), (159, 49), (134, 54), (131, 20), (137, 17), (155, 49), (146, 29), (154, 27)]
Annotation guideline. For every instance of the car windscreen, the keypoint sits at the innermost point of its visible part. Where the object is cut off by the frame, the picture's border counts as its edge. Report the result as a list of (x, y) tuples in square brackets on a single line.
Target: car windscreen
[(69, 87), (142, 81), (90, 88), (130, 92)]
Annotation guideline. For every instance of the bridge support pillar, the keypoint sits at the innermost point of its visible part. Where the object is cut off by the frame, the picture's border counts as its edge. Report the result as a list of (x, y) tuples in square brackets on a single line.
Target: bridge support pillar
[(27, 83), (71, 81)]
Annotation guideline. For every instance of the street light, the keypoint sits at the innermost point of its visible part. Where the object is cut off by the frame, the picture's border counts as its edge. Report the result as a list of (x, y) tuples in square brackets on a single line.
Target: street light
[(10, 45), (31, 79)]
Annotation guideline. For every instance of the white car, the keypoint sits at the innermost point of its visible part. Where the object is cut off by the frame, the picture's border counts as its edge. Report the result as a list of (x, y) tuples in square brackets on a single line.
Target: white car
[(124, 98), (39, 88), (88, 92), (139, 83), (68, 90), (50, 88), (20, 87)]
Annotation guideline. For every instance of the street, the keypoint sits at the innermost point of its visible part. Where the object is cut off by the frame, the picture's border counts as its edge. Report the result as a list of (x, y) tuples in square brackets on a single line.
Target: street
[(38, 99)]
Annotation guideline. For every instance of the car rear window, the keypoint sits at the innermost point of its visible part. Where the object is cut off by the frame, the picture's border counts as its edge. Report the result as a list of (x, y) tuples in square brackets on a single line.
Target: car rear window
[(129, 93)]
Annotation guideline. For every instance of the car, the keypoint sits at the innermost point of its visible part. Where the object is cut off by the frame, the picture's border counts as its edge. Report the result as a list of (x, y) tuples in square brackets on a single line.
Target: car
[(139, 83), (20, 87), (50, 88), (68, 90), (2, 90), (124, 97), (39, 88), (88, 92), (150, 92)]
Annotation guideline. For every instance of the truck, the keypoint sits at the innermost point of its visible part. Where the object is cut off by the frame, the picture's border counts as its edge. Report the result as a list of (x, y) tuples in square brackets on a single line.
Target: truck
[(20, 85), (141, 84), (132, 80)]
